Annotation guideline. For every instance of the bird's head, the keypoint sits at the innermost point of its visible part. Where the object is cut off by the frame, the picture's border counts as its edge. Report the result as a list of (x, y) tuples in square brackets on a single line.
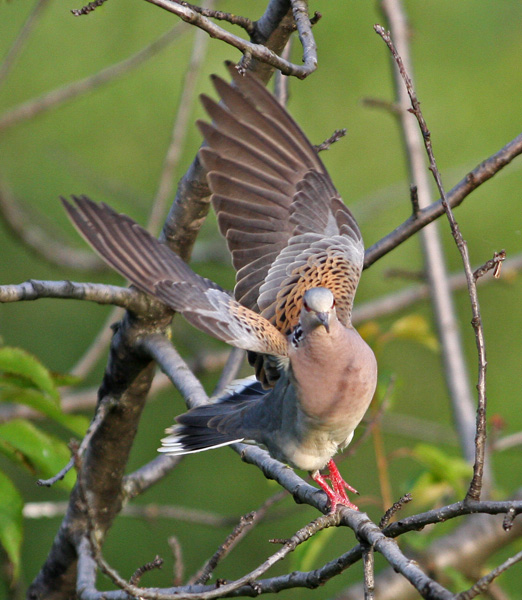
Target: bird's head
[(318, 308)]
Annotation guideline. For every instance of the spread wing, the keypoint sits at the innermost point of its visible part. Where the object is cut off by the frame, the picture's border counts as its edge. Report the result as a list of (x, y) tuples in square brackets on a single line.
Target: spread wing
[(284, 222), (154, 268)]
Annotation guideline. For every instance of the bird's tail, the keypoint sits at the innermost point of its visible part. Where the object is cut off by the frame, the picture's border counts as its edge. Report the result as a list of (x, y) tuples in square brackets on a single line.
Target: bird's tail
[(216, 424)]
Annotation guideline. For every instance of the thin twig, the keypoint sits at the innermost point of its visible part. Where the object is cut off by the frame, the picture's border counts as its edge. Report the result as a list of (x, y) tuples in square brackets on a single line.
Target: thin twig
[(226, 588), (414, 197), (494, 263), (397, 301), (179, 131), (281, 81), (230, 370), (90, 357), (157, 563), (475, 487), (482, 584), (478, 176), (23, 36), (453, 357), (394, 509), (392, 107), (245, 525), (42, 241), (77, 452), (55, 98), (179, 564), (219, 15), (374, 420), (88, 8), (335, 137), (369, 573)]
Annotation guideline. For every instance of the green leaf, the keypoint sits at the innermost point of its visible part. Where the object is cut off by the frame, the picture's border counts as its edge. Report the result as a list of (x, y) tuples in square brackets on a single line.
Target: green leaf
[(415, 328), (305, 555), (11, 522), (16, 361), (10, 392), (63, 379), (444, 474), (39, 452)]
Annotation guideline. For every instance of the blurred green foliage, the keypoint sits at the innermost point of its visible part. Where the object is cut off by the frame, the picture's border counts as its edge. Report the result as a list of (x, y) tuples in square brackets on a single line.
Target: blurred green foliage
[(110, 144)]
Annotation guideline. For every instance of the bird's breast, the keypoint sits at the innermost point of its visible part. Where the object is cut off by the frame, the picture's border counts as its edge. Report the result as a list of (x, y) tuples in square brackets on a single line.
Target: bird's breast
[(335, 379)]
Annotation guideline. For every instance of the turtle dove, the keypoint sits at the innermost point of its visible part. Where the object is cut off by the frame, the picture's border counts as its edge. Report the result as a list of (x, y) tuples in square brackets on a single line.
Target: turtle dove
[(298, 253)]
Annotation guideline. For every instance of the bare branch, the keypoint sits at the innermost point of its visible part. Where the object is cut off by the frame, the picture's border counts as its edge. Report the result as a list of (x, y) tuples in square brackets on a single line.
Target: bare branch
[(41, 510), (483, 583), (191, 204), (257, 51), (170, 362), (479, 175), (55, 98), (245, 525), (369, 574), (304, 29), (33, 289), (397, 301), (473, 542), (126, 381), (219, 15), (47, 245)]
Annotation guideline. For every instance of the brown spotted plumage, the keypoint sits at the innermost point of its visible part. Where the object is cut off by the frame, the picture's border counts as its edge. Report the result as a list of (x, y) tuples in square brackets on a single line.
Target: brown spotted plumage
[(298, 253)]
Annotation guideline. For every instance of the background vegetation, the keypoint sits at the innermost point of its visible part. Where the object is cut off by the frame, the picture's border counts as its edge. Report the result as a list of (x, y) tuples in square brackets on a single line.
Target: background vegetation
[(110, 144)]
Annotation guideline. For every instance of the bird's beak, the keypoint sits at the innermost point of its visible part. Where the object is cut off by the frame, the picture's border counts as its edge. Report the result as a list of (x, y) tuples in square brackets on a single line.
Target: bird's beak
[(324, 319)]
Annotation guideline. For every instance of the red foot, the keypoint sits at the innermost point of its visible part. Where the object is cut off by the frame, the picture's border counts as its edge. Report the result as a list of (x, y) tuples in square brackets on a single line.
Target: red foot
[(336, 494)]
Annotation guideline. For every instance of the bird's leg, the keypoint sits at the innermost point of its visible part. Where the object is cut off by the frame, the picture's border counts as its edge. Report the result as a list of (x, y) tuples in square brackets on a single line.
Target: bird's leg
[(337, 495), (338, 483)]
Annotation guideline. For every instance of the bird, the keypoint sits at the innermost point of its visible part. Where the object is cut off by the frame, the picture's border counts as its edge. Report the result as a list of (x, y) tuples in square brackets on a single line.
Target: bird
[(298, 254)]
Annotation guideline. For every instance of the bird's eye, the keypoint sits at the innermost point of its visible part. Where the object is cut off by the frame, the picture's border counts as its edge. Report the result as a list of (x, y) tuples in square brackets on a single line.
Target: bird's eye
[(307, 308), (333, 303)]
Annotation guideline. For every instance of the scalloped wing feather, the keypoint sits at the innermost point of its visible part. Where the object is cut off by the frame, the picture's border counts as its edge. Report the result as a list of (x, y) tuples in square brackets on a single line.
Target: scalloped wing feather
[(270, 188)]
